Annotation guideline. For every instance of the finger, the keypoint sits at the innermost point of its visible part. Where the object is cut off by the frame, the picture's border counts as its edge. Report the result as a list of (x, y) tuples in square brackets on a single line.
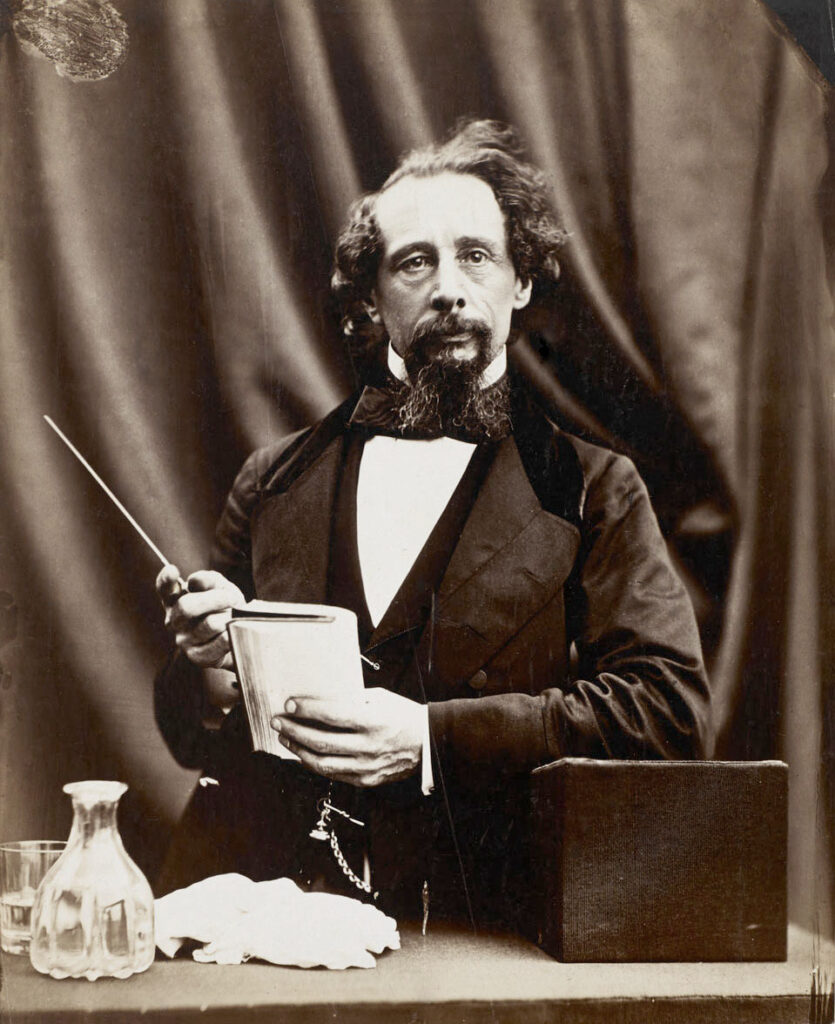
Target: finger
[(168, 584), (359, 780), (339, 713), (213, 654), (209, 579), (320, 741), (211, 625), (200, 631), (361, 769), (191, 608), (339, 769), (204, 602), (354, 771), (197, 638), (187, 639)]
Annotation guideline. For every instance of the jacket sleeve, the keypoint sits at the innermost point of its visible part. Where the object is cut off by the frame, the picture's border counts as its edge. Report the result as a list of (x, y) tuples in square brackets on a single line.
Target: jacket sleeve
[(185, 718), (638, 689)]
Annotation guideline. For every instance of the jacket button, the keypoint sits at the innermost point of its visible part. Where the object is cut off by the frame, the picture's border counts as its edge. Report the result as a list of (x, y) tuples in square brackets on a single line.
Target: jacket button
[(478, 681)]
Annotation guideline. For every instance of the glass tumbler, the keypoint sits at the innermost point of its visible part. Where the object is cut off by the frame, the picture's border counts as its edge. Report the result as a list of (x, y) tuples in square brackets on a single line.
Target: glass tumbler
[(23, 865)]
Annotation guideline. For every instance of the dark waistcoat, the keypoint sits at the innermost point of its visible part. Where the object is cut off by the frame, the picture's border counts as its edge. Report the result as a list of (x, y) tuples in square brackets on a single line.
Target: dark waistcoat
[(402, 825)]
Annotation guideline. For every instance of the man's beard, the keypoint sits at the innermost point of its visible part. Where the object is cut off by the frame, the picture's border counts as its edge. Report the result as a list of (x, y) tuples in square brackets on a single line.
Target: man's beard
[(445, 395)]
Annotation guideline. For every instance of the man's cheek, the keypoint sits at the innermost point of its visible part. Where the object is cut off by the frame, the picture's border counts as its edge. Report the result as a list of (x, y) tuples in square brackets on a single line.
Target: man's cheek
[(399, 333)]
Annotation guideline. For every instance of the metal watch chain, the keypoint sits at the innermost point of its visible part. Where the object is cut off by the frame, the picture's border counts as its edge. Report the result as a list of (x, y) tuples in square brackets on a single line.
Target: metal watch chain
[(324, 831)]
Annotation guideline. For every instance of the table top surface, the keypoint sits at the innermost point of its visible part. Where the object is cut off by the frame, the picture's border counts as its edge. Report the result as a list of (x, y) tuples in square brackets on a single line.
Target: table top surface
[(447, 966)]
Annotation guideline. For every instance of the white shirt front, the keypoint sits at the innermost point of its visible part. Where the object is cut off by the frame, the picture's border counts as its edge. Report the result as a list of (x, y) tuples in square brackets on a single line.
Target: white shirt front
[(403, 488)]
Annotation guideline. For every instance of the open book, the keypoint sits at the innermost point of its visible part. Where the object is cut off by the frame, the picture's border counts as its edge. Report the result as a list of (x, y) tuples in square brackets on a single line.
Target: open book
[(284, 650)]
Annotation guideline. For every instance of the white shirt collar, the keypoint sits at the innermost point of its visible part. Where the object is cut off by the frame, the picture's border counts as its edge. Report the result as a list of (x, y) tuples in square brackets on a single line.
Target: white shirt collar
[(494, 372)]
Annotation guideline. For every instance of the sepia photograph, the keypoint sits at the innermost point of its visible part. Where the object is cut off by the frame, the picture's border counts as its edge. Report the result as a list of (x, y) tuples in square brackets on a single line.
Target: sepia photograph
[(417, 527)]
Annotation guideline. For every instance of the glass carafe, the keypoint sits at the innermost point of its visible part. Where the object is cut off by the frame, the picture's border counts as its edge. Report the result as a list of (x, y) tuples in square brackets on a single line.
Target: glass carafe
[(93, 915)]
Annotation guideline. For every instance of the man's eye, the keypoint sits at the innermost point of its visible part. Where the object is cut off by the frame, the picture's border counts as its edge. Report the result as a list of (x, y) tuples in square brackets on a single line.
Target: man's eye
[(476, 257), (413, 263)]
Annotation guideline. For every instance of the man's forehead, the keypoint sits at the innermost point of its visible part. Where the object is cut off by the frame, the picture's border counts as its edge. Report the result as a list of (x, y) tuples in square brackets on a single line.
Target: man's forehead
[(432, 208)]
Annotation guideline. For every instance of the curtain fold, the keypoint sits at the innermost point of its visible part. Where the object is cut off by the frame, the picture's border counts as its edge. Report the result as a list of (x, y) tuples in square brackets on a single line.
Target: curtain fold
[(165, 247)]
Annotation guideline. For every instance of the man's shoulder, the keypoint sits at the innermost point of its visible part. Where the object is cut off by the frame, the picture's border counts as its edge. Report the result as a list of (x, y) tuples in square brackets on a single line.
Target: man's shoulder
[(566, 469), (276, 465), (612, 484), (600, 463), (261, 462)]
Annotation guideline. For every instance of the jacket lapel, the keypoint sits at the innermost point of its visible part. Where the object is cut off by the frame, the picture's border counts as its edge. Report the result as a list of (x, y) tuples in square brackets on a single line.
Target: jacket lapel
[(512, 558)]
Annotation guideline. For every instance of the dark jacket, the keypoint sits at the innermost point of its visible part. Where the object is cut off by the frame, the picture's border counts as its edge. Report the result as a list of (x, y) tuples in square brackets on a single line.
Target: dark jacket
[(559, 628)]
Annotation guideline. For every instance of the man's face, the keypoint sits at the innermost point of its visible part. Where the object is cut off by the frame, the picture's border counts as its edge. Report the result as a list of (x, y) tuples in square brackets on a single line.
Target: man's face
[(446, 280)]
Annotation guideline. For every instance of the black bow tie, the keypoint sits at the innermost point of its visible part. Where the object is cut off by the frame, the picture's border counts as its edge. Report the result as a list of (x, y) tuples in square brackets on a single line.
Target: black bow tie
[(376, 412)]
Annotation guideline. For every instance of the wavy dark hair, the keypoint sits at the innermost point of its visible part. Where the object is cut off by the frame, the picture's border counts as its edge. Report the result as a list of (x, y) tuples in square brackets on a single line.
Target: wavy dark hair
[(485, 149)]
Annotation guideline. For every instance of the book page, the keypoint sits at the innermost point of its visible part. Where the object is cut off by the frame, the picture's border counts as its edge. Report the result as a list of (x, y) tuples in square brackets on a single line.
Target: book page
[(284, 650)]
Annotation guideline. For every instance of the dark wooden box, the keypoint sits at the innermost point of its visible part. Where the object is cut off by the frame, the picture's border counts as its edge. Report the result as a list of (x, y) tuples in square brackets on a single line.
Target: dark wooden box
[(661, 861)]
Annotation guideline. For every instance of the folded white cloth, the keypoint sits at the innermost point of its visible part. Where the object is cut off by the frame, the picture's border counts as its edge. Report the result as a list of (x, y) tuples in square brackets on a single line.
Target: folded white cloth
[(236, 919)]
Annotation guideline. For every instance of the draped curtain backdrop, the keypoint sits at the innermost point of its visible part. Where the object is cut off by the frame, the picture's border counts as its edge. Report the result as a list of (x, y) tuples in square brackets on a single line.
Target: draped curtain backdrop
[(165, 241)]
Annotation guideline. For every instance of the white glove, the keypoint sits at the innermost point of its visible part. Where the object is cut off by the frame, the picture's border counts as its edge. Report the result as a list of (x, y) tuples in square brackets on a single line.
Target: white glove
[(237, 919)]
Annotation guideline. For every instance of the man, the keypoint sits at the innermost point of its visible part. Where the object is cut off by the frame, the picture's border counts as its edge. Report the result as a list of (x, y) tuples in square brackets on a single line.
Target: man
[(514, 596)]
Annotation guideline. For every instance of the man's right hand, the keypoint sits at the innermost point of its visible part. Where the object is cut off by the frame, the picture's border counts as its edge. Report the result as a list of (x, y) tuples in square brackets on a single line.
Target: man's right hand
[(197, 618)]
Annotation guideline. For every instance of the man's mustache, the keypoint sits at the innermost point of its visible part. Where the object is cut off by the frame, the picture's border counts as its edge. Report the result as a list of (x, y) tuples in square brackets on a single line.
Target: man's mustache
[(449, 325)]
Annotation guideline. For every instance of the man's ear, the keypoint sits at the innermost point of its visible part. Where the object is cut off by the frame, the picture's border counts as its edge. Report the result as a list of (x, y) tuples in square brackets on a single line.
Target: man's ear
[(370, 307), (522, 293)]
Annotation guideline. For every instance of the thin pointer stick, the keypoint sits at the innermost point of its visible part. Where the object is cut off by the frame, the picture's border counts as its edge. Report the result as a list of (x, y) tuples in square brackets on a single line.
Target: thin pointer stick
[(129, 517), (112, 496)]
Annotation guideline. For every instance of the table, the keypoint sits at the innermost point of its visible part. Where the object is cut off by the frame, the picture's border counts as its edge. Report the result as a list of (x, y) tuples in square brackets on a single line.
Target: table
[(447, 976)]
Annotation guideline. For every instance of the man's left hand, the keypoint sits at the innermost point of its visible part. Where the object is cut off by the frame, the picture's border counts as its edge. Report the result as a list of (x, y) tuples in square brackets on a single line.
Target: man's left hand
[(366, 741)]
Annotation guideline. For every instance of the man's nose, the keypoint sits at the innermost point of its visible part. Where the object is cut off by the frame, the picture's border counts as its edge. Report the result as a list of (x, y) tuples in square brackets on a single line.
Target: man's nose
[(448, 292)]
